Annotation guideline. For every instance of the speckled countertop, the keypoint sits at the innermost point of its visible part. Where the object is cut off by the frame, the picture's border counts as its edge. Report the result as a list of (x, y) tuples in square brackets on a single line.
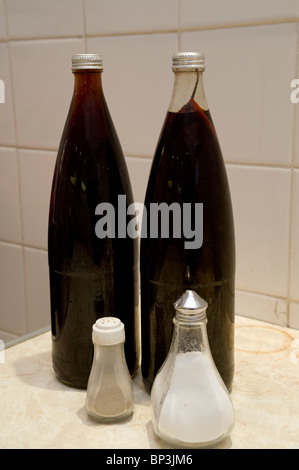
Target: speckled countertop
[(36, 411)]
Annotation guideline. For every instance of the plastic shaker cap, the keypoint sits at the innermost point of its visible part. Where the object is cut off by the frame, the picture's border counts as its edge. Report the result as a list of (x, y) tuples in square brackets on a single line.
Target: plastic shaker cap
[(108, 330)]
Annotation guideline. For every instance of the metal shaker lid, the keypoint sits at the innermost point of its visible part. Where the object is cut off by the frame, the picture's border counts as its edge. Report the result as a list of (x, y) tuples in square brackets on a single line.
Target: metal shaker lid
[(191, 305)]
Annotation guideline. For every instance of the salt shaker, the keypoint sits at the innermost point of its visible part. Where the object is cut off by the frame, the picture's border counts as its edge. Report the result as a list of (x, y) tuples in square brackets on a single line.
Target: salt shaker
[(191, 406), (109, 390)]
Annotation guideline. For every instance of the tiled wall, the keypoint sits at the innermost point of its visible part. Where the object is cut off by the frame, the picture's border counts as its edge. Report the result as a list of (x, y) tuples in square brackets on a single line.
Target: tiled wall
[(252, 55)]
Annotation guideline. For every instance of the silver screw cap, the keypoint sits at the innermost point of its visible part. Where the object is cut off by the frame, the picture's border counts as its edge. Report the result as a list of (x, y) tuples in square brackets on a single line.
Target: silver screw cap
[(188, 61), (87, 62)]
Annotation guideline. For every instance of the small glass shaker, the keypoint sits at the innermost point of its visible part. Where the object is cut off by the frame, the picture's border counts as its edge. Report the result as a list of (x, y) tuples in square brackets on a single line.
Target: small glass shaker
[(109, 390), (191, 406)]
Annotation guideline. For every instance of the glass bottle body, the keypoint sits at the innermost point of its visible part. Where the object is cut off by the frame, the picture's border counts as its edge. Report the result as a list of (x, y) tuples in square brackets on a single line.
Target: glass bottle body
[(191, 406), (109, 395), (89, 277), (188, 168)]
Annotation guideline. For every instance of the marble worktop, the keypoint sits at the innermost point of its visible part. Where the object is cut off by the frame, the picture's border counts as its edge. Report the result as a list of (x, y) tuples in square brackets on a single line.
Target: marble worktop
[(36, 411)]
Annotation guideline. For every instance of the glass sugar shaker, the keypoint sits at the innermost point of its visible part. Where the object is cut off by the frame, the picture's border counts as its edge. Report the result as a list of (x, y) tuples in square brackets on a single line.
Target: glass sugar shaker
[(109, 395), (191, 406)]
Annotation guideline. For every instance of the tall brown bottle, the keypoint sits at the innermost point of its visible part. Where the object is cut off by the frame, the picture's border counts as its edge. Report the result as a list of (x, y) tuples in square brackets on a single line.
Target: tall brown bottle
[(188, 169), (91, 276)]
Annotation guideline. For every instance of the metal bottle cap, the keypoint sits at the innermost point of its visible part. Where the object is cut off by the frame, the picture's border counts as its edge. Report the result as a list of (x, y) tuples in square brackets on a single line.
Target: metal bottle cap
[(191, 305), (188, 61), (87, 62)]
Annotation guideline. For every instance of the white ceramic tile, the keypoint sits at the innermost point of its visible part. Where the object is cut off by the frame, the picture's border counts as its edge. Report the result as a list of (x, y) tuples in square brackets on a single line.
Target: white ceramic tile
[(43, 87), (261, 199), (12, 306), (137, 81), (10, 214), (7, 128), (7, 337), (261, 307), (200, 13), (296, 136), (294, 283), (295, 91), (247, 83), (131, 16), (139, 170), (2, 20), (294, 316), (36, 174), (37, 289), (41, 18)]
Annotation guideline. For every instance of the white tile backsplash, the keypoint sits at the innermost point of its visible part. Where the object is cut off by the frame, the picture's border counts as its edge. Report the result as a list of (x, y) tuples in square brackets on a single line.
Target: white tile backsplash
[(294, 281), (137, 81), (294, 316), (296, 136), (251, 55), (2, 21), (43, 87), (261, 201), (217, 13), (139, 170), (12, 294), (37, 288), (41, 18), (132, 16), (247, 83), (262, 307), (10, 212), (7, 126), (7, 337), (36, 174), (296, 108)]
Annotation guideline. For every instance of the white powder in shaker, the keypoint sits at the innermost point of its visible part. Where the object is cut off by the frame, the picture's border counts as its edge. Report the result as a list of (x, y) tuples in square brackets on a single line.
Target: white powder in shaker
[(196, 407)]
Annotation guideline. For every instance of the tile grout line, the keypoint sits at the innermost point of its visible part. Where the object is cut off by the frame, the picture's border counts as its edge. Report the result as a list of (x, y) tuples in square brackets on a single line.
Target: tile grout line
[(23, 245), (269, 166), (84, 25), (178, 24), (178, 29)]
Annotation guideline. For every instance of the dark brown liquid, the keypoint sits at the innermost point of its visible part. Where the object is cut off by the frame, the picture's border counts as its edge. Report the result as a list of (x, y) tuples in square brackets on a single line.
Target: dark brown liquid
[(89, 277), (188, 167)]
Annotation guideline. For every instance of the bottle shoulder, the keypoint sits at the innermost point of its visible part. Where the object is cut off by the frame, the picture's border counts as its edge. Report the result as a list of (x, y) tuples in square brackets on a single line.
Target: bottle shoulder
[(188, 159)]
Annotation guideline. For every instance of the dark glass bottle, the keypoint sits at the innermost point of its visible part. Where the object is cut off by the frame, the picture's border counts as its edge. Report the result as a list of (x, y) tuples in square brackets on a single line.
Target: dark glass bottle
[(188, 169), (91, 276)]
